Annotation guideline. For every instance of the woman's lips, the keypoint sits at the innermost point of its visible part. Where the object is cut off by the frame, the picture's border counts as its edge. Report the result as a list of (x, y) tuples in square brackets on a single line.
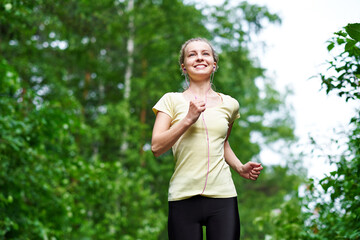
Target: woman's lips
[(200, 66)]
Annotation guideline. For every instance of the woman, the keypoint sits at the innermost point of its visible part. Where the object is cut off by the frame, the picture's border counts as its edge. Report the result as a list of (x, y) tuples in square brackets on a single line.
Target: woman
[(196, 124)]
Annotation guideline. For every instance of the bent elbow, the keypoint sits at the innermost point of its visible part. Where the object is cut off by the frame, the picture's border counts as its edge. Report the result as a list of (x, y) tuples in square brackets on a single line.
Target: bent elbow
[(155, 150), (155, 153)]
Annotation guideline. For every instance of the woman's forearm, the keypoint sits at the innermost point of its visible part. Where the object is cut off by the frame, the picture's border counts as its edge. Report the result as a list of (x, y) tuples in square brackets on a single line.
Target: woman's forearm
[(162, 141), (231, 158), (165, 137)]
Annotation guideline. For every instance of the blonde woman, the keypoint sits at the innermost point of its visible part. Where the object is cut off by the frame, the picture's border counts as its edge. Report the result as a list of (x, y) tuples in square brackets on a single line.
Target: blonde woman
[(196, 124)]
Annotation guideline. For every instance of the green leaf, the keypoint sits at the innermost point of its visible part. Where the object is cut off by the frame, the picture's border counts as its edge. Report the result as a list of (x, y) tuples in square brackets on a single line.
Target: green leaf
[(353, 30), (340, 41), (349, 45), (330, 46), (341, 33)]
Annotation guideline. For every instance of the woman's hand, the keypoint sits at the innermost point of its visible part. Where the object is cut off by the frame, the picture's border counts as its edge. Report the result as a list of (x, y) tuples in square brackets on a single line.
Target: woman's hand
[(196, 107), (250, 170)]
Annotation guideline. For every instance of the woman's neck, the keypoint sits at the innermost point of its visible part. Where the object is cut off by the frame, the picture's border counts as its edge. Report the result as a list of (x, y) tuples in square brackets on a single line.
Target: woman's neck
[(200, 89)]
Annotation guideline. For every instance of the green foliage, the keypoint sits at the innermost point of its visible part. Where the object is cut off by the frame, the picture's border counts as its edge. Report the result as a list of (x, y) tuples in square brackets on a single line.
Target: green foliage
[(330, 208), (345, 65), (354, 31), (277, 185), (49, 190), (342, 211), (340, 216)]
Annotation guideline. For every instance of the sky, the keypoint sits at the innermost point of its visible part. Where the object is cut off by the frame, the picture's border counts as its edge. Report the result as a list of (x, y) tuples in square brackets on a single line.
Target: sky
[(295, 51)]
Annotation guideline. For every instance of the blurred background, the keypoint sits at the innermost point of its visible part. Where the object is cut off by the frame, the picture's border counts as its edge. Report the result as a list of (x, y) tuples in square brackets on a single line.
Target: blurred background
[(78, 79)]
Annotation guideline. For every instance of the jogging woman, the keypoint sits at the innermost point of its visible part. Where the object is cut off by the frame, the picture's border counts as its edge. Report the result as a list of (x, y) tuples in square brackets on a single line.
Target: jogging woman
[(196, 124)]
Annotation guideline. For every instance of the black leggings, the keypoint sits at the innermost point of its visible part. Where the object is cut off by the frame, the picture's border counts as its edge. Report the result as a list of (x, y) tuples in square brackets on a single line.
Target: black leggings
[(219, 215)]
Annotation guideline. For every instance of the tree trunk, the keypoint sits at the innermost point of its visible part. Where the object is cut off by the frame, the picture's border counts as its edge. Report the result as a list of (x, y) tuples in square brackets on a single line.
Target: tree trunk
[(129, 67)]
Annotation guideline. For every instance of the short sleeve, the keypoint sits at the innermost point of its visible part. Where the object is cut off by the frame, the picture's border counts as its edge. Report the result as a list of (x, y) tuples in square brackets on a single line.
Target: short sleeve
[(235, 113), (164, 105)]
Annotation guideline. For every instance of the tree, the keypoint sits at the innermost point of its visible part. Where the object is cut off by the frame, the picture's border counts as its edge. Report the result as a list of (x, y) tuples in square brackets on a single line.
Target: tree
[(340, 217), (49, 163), (330, 209)]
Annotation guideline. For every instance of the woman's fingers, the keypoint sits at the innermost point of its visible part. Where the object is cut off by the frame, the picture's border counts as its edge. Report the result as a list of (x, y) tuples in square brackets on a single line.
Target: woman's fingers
[(199, 105), (255, 172), (253, 177), (196, 107)]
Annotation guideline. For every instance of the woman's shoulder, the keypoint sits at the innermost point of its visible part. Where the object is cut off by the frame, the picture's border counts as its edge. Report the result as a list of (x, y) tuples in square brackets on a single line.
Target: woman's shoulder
[(229, 99), (172, 95)]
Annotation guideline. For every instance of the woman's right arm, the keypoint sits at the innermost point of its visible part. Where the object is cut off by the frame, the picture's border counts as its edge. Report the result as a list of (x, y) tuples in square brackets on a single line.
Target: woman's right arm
[(164, 137)]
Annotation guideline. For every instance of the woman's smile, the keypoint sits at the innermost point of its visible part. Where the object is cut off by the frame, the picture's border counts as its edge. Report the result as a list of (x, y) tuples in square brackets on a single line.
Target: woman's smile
[(200, 66)]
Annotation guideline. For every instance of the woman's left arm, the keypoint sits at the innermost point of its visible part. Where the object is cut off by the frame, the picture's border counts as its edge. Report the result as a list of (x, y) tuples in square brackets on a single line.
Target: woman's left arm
[(250, 170)]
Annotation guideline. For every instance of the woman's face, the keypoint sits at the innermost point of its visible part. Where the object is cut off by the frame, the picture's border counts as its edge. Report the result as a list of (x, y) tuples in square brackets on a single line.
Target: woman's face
[(199, 59)]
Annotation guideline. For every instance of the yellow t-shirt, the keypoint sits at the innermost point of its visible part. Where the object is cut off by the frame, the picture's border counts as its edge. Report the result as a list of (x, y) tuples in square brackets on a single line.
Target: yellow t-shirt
[(191, 149)]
